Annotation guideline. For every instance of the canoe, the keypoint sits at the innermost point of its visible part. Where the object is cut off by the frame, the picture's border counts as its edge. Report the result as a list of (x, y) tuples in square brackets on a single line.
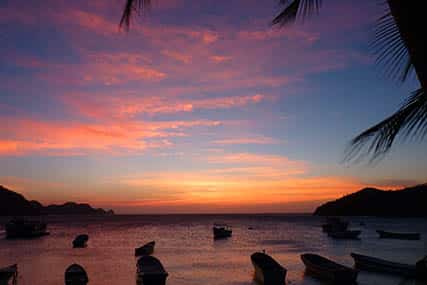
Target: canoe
[(324, 268), (80, 241), (405, 236), (345, 234), (76, 275), (221, 231), (267, 270), (369, 263), (146, 249), (150, 271), (9, 273)]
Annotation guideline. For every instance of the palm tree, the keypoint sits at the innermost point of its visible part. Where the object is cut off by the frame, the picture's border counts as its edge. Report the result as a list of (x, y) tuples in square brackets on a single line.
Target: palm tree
[(400, 46)]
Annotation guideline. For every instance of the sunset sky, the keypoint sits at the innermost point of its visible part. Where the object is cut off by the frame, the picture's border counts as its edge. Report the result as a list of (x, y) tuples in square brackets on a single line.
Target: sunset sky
[(201, 107)]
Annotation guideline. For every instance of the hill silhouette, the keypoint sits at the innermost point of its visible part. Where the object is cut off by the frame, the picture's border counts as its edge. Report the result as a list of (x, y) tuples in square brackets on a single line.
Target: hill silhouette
[(407, 202), (14, 204)]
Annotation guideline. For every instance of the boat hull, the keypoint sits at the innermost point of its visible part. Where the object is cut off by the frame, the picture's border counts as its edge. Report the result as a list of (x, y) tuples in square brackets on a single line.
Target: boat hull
[(80, 241), (323, 268), (220, 233), (8, 274), (146, 249), (158, 279), (374, 264), (403, 236), (267, 271), (345, 234), (150, 271), (25, 229), (75, 275)]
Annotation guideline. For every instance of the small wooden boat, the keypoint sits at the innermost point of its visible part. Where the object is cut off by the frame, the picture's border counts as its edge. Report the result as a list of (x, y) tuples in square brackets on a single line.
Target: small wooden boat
[(8, 274), (334, 224), (221, 231), (20, 228), (150, 271), (146, 249), (267, 270), (405, 236), (344, 234), (76, 275), (80, 241), (327, 269), (364, 262)]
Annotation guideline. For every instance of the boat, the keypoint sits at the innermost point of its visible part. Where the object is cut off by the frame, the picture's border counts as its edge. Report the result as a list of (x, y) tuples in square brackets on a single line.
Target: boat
[(8, 274), (80, 241), (76, 275), (324, 268), (20, 228), (334, 224), (146, 249), (344, 234), (150, 271), (369, 263), (267, 270), (221, 231), (406, 236)]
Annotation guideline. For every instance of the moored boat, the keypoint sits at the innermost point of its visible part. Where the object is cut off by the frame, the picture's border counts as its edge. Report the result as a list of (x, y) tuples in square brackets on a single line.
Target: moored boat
[(267, 270), (369, 263), (405, 236), (344, 234), (334, 224), (222, 231), (324, 268), (146, 249), (80, 241), (8, 274), (25, 229), (76, 275), (150, 271)]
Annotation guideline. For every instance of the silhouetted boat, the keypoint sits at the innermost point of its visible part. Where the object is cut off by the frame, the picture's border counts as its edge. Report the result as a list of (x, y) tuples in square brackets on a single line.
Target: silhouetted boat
[(344, 234), (221, 231), (25, 229), (364, 262), (80, 241), (334, 224), (267, 270), (76, 275), (150, 271), (327, 269), (146, 249), (406, 236), (8, 274)]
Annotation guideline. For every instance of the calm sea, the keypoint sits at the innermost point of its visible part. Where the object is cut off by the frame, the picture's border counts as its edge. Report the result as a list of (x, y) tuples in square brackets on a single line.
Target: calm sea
[(185, 246)]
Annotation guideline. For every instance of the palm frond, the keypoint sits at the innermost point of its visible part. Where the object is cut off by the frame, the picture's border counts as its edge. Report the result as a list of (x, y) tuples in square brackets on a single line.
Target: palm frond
[(390, 49), (409, 121), (294, 9), (131, 7)]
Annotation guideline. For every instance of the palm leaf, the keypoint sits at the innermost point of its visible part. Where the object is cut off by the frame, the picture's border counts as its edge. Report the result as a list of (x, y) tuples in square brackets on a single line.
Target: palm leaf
[(295, 9), (409, 121), (131, 7), (390, 50)]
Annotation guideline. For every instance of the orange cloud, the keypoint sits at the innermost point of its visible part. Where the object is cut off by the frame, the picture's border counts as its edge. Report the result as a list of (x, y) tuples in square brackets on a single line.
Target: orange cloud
[(98, 105), (249, 140), (68, 138)]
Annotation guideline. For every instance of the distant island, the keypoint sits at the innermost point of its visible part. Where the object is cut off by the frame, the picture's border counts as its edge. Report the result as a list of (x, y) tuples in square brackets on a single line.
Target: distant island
[(407, 202), (14, 204)]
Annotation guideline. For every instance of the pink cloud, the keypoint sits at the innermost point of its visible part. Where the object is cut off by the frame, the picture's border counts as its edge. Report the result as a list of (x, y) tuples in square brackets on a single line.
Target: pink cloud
[(23, 136)]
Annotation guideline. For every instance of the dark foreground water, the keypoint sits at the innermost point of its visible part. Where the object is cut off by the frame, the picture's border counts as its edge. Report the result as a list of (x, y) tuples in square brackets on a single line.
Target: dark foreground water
[(185, 246)]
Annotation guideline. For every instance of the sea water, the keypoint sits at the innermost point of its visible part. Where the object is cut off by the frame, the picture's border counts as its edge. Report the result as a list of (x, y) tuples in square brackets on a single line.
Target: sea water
[(186, 248)]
